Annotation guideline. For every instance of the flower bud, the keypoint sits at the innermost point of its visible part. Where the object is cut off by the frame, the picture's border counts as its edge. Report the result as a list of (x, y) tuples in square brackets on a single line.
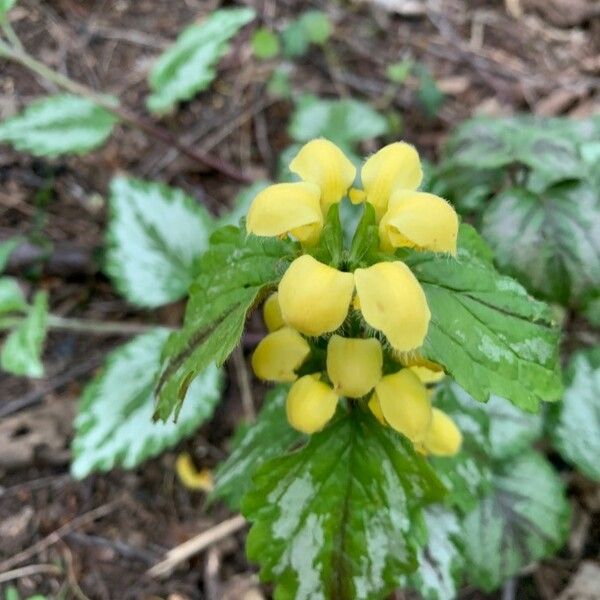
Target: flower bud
[(279, 354), (313, 297), (443, 438), (272, 313), (405, 404), (354, 365), (310, 404)]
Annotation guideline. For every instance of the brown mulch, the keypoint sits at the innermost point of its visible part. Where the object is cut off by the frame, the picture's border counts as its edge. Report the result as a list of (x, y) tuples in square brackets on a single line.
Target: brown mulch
[(488, 57)]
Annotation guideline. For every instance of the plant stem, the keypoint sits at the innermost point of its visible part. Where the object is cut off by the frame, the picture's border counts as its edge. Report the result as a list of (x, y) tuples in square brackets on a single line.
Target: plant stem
[(16, 53)]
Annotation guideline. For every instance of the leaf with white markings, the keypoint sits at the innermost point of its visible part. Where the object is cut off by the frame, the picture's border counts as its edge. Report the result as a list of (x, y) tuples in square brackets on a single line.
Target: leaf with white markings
[(576, 433), (23, 347), (188, 66), (268, 437), (490, 335), (523, 519), (235, 272), (156, 235), (55, 125), (114, 425), (333, 520)]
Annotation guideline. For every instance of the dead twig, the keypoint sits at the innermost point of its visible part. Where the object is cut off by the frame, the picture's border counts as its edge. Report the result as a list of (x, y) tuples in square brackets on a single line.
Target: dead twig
[(28, 571), (243, 381)]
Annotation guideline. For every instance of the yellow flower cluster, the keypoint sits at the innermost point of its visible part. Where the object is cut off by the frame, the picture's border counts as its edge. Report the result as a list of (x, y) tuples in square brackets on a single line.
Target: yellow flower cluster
[(315, 299)]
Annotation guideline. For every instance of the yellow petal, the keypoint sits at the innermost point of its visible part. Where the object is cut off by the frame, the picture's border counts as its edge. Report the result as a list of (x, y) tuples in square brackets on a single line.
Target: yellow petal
[(392, 301), (375, 408), (314, 298), (321, 162), (394, 167), (286, 208), (405, 404), (427, 375), (419, 220), (190, 476), (272, 313), (443, 438), (279, 354), (310, 404), (354, 365)]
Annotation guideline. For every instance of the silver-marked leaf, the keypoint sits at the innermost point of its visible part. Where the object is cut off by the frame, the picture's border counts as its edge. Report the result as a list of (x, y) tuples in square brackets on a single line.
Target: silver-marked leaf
[(270, 436), (490, 335), (333, 520), (233, 275), (523, 519), (114, 426), (156, 235), (550, 241), (577, 430), (188, 66), (55, 125), (11, 296), (22, 349)]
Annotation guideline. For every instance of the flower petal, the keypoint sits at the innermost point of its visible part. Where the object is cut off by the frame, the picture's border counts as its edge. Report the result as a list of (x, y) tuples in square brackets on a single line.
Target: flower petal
[(419, 220), (405, 404), (396, 166), (321, 162), (272, 313), (286, 208), (314, 298), (310, 404), (375, 408), (392, 301), (443, 438), (279, 354), (354, 365)]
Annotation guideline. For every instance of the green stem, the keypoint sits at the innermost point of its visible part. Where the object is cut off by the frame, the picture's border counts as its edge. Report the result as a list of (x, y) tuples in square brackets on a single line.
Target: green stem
[(16, 53)]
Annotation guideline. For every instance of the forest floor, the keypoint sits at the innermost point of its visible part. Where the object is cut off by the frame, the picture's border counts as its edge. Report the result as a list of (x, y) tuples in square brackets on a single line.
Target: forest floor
[(492, 57)]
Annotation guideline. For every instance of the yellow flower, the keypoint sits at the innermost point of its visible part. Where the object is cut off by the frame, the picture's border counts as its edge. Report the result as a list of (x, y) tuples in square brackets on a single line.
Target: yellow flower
[(322, 163), (419, 220), (287, 208), (392, 301), (191, 477), (272, 313), (395, 167), (313, 297), (354, 365), (375, 408), (443, 438), (310, 404), (405, 404), (426, 370), (279, 354)]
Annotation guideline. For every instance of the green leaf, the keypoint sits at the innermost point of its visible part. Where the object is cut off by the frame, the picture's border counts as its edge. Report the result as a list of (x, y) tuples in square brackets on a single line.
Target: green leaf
[(525, 518), (279, 84), (234, 274), (114, 426), (365, 242), (398, 72), (188, 66), (333, 520), (5, 6), (316, 25), (577, 430), (489, 334), (254, 444), (295, 40), (155, 235), (331, 243), (6, 249), (22, 349), (429, 94), (344, 122), (265, 44), (55, 125), (550, 242), (11, 296), (440, 562)]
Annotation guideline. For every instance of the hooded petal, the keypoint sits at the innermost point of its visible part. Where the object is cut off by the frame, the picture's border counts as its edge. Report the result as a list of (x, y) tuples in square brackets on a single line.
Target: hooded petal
[(321, 162), (354, 365), (394, 167), (272, 313), (443, 438), (314, 298), (405, 404), (310, 404), (426, 370), (279, 354), (419, 220), (392, 301), (375, 408), (287, 208)]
